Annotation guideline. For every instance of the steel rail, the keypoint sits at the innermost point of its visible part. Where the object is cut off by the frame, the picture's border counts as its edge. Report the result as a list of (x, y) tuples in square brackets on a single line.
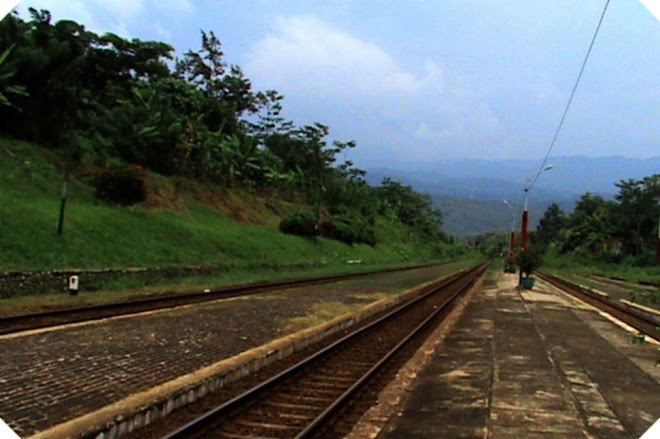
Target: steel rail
[(200, 426), (23, 322), (623, 283), (645, 324), (324, 417)]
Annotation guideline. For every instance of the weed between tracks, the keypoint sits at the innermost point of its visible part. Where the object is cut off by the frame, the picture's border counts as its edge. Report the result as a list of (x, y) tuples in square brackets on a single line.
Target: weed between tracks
[(323, 312), (391, 285)]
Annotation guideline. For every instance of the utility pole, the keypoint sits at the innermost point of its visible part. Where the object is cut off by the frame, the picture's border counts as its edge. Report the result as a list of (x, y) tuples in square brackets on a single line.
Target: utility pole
[(524, 223), (523, 232), (657, 245), (512, 243), (65, 183), (68, 165), (525, 217), (512, 234), (525, 214)]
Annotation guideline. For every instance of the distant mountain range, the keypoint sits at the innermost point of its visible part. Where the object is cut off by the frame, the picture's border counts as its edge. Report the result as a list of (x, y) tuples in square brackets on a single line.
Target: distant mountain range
[(470, 193)]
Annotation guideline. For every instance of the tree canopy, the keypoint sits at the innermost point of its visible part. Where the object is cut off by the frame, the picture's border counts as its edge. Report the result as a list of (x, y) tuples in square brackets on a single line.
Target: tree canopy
[(618, 230), (100, 98)]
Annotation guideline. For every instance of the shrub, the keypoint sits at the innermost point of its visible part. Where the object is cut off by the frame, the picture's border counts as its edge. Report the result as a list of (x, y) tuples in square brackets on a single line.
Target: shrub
[(354, 228), (123, 184), (328, 229), (345, 233), (529, 260), (366, 235), (300, 223)]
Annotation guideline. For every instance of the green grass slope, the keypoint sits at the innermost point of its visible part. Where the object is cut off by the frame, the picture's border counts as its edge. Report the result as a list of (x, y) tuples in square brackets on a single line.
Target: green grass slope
[(191, 231)]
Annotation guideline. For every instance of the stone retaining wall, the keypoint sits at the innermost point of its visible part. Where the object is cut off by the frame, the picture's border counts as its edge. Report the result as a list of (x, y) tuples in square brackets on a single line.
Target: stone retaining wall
[(15, 283)]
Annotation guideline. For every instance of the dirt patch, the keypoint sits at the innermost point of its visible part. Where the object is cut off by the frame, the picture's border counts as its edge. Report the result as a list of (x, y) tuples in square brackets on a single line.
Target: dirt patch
[(240, 205), (162, 194)]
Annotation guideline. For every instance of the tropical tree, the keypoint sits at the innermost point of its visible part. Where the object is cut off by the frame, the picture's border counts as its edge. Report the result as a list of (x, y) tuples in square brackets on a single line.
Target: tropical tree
[(207, 70), (409, 207), (589, 225), (103, 98), (636, 215), (7, 87), (550, 227)]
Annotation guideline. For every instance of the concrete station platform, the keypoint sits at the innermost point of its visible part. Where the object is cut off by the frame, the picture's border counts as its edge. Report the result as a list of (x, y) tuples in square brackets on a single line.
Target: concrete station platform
[(532, 364)]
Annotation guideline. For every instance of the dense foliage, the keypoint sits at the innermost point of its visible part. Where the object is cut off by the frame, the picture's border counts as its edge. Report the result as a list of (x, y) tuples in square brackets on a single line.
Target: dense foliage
[(99, 98), (121, 184), (528, 260), (623, 230)]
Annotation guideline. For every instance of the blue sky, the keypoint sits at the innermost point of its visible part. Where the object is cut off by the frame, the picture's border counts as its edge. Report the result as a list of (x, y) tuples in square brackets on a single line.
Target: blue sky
[(419, 81)]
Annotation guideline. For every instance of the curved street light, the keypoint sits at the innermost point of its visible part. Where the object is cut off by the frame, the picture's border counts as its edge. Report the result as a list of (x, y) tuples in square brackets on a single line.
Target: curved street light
[(525, 214), (657, 245), (512, 235)]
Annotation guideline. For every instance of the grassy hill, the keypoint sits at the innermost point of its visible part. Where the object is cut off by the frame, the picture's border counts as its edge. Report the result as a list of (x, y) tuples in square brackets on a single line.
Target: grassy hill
[(180, 223)]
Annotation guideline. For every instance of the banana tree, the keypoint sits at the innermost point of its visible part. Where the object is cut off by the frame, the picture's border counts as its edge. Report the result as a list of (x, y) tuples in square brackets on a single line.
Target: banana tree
[(6, 87)]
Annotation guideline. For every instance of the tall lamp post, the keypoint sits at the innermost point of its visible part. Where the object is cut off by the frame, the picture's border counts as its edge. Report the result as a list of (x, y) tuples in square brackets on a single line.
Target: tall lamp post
[(657, 245), (512, 234), (525, 216)]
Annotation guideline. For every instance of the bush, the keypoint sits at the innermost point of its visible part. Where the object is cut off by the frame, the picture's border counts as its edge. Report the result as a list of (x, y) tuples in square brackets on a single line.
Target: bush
[(300, 223), (345, 233), (349, 230), (529, 260), (125, 184), (366, 235), (353, 228)]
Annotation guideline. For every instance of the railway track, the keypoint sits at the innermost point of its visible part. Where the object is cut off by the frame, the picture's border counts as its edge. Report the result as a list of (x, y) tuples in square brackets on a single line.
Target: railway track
[(308, 398), (23, 322), (645, 323), (622, 281)]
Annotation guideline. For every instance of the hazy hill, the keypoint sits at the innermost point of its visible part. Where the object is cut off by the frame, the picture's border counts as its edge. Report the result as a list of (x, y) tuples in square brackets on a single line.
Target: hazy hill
[(464, 217), (470, 192)]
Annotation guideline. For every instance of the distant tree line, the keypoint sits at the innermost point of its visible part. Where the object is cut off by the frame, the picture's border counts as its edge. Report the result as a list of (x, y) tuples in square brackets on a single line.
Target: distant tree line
[(622, 230), (121, 106)]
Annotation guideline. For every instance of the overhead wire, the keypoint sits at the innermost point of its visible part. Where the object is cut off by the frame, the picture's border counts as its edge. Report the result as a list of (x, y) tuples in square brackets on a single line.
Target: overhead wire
[(570, 100)]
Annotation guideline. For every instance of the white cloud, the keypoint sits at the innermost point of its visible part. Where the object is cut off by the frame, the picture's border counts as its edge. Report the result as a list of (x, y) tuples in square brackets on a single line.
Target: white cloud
[(175, 5), (162, 32), (476, 122), (305, 54), (116, 16), (425, 132), (365, 93)]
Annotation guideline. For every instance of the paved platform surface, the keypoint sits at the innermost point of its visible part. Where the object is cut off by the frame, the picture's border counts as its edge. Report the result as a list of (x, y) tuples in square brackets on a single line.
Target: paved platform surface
[(48, 377), (534, 364)]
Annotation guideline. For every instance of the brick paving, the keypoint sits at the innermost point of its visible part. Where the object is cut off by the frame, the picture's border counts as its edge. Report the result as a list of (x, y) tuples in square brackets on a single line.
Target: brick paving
[(532, 365), (50, 377)]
